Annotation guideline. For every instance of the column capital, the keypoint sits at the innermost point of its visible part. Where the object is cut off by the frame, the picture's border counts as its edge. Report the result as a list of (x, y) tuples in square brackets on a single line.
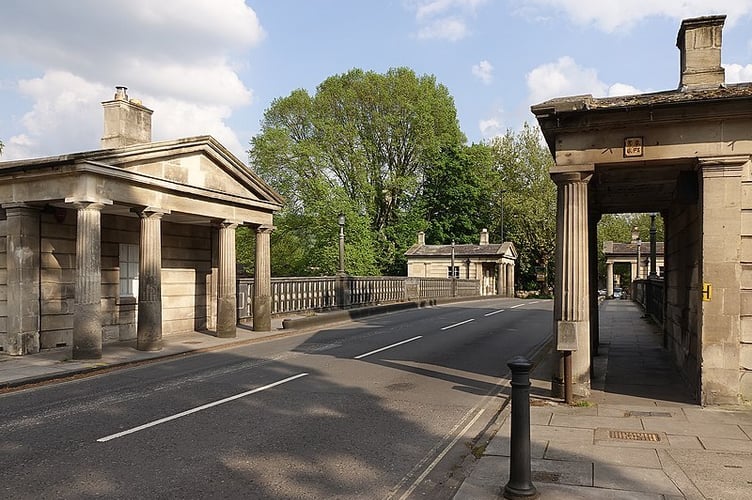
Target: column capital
[(226, 223), (579, 177), (723, 166), (149, 212), (265, 229), (88, 203)]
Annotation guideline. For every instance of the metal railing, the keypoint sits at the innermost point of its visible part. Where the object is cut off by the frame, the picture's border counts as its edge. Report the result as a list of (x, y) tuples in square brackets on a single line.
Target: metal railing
[(649, 294), (342, 292)]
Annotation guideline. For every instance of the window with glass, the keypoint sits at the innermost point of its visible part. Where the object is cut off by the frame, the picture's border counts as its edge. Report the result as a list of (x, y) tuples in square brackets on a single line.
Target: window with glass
[(128, 270)]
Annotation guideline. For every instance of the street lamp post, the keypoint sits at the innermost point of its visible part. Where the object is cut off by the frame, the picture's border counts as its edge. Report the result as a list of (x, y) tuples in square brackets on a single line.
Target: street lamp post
[(501, 198), (653, 273), (341, 221)]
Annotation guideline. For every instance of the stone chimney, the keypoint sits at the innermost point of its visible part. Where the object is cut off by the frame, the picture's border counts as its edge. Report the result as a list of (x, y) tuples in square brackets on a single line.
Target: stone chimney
[(635, 234), (699, 44), (126, 121), (484, 236), (421, 238)]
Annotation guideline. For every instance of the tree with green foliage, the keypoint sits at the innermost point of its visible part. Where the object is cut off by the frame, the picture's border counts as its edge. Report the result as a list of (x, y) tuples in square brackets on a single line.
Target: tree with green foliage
[(456, 194), (361, 146), (529, 201)]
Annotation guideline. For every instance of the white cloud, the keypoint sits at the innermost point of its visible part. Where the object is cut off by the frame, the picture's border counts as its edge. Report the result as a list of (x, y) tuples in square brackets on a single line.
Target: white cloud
[(443, 19), (610, 16), (491, 127), (484, 71), (736, 73), (565, 77), (180, 57), (447, 29)]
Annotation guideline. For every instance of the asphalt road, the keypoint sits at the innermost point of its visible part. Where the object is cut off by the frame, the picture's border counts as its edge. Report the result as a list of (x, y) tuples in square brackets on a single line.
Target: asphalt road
[(386, 407)]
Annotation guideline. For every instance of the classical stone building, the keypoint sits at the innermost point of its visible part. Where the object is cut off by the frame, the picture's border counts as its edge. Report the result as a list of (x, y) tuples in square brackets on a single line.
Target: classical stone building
[(491, 264), (131, 241), (686, 154), (636, 254)]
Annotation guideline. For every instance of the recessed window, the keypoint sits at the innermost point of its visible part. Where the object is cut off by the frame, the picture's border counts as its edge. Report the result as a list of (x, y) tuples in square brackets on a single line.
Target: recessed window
[(128, 270), (456, 273)]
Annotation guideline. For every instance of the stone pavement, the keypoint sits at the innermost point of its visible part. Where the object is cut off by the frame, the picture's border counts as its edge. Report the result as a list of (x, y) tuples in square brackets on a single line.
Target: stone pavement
[(639, 436)]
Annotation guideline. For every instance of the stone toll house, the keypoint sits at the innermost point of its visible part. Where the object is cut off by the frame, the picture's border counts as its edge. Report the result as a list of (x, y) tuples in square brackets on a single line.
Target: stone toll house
[(636, 254), (684, 153), (491, 264), (131, 241)]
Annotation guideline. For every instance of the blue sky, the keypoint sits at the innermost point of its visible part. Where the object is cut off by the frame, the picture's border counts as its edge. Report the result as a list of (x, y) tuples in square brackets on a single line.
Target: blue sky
[(213, 67)]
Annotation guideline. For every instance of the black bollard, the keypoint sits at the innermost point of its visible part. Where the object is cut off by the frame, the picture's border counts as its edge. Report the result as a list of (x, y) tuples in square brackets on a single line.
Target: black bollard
[(520, 485)]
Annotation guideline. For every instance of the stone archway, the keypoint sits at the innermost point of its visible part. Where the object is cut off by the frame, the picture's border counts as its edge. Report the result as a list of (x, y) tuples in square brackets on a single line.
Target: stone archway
[(686, 154)]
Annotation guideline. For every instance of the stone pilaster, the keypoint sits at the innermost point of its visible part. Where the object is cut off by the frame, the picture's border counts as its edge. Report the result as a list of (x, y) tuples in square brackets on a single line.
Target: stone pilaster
[(226, 293), (572, 297), (22, 243), (149, 332), (87, 314), (721, 269), (262, 283)]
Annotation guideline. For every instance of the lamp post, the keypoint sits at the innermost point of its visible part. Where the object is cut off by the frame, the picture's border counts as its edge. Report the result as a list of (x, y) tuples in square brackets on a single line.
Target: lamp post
[(653, 273), (501, 198), (639, 248), (341, 221), (451, 264)]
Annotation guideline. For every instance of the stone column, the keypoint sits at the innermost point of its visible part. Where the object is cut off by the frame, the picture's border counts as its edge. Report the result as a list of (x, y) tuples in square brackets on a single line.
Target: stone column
[(510, 280), (500, 279), (87, 314), (572, 301), (262, 282), (149, 332), (609, 279), (226, 293), (593, 278), (22, 247)]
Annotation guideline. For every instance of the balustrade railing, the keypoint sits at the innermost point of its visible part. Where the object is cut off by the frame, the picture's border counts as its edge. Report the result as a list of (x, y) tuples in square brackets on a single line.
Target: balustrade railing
[(341, 292), (649, 294)]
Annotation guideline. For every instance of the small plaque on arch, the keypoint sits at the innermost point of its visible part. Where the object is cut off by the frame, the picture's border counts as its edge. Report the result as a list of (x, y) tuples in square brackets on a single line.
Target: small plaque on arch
[(632, 147)]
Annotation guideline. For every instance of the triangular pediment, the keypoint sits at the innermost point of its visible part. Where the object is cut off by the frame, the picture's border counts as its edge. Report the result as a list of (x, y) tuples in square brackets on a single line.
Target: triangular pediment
[(198, 163)]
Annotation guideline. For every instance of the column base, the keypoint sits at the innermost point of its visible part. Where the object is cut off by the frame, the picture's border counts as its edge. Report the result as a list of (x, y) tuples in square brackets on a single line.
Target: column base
[(79, 353), (149, 345), (227, 334)]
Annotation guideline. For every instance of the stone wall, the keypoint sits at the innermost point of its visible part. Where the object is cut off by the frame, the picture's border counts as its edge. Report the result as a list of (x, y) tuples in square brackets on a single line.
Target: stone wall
[(3, 284), (682, 283), (745, 354), (187, 278), (57, 278)]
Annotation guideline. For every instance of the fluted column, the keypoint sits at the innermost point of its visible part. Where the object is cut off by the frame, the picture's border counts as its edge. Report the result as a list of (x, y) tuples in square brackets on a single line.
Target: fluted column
[(87, 314), (226, 293), (149, 333), (609, 279), (22, 254), (510, 280), (572, 297), (500, 279), (262, 283)]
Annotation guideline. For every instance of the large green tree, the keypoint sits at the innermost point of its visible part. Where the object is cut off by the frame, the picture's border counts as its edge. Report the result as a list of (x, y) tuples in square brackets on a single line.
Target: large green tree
[(528, 201), (618, 228), (457, 194), (361, 146)]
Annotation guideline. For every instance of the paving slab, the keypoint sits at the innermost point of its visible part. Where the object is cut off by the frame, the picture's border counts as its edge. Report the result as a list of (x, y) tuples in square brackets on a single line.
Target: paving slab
[(633, 479), (723, 444), (708, 429), (568, 492), (500, 446), (587, 422), (561, 435), (635, 457)]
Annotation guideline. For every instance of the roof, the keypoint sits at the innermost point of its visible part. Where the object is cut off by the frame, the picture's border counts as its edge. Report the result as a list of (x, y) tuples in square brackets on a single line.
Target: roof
[(612, 248), (495, 250), (587, 102)]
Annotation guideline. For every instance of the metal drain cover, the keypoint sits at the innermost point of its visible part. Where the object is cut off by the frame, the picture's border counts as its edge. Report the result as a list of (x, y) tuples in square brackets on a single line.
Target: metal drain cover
[(648, 414), (634, 436)]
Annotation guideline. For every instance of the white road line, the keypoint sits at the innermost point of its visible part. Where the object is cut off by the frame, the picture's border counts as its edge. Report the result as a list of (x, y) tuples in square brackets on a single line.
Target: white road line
[(458, 324), (441, 455), (518, 305), (198, 408), (533, 302), (494, 312), (388, 347)]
